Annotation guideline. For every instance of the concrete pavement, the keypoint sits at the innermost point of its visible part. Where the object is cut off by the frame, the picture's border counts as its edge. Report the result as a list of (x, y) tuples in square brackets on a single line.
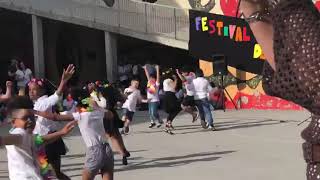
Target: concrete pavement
[(249, 145)]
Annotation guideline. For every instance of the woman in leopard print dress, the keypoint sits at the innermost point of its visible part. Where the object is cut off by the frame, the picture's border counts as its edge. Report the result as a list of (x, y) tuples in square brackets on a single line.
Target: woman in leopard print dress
[(289, 33)]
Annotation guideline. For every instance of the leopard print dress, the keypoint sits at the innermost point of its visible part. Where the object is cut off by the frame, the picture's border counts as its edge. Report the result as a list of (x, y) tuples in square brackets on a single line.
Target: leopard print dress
[(297, 75)]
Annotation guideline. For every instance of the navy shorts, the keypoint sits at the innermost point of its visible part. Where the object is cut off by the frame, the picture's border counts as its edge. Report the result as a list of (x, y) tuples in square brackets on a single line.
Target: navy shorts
[(128, 114)]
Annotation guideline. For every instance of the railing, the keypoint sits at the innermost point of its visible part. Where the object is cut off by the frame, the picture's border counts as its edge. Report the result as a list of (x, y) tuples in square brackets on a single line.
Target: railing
[(130, 16)]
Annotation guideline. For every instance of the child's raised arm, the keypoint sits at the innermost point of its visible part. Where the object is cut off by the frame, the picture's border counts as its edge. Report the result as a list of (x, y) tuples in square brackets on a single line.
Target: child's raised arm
[(8, 94), (146, 72), (66, 76), (158, 74), (182, 78)]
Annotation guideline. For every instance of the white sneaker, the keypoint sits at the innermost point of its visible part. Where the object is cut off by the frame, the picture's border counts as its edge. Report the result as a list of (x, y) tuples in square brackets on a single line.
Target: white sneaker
[(211, 128)]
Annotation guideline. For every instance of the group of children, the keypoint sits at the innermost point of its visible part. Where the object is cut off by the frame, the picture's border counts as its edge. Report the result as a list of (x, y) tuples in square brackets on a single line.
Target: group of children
[(35, 144), (195, 101)]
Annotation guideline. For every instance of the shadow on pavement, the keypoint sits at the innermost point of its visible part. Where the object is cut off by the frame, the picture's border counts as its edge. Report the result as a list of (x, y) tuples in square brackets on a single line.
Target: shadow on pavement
[(174, 161), (220, 126)]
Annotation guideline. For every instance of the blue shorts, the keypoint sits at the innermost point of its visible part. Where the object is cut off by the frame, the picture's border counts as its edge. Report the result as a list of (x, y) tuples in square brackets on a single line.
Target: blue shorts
[(128, 114)]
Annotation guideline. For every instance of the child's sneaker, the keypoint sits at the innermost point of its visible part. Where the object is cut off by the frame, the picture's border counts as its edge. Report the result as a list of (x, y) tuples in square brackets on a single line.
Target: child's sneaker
[(126, 129), (160, 124), (152, 125)]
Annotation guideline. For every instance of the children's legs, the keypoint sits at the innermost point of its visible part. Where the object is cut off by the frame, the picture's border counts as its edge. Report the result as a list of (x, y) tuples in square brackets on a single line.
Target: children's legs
[(201, 113), (117, 142), (207, 111), (56, 165), (150, 108), (108, 170), (154, 112), (107, 176), (172, 115), (86, 175)]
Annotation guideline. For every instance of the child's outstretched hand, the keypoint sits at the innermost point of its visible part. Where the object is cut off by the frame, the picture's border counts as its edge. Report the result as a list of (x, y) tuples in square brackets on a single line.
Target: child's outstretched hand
[(68, 127), (68, 73)]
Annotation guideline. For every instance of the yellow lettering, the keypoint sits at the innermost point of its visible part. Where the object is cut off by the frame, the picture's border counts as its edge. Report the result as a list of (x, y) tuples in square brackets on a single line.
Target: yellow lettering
[(204, 24)]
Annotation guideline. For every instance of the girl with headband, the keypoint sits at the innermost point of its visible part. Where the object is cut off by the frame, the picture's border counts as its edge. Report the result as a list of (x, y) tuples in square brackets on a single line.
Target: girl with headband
[(44, 126)]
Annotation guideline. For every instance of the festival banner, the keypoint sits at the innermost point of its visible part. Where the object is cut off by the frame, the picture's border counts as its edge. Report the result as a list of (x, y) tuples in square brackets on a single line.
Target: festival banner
[(212, 34)]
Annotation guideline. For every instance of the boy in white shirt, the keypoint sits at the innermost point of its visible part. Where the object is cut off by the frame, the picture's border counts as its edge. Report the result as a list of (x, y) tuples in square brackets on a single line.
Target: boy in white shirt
[(202, 89), (129, 107), (99, 156), (22, 145)]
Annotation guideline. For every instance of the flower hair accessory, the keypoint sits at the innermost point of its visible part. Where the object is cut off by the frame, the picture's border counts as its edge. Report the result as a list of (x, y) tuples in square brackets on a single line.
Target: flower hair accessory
[(39, 82)]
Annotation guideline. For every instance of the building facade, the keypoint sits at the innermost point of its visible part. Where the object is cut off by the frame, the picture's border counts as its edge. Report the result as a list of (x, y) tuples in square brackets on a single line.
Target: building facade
[(87, 33)]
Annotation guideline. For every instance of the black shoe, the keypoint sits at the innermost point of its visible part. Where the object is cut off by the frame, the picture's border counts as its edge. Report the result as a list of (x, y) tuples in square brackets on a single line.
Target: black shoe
[(62, 176), (124, 160), (127, 154), (152, 125), (126, 129)]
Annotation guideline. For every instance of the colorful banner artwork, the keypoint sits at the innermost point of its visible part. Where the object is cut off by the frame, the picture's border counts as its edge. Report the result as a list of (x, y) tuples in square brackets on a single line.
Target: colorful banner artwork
[(212, 34)]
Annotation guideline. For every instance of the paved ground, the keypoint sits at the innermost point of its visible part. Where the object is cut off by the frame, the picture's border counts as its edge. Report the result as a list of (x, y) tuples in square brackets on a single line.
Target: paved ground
[(250, 145)]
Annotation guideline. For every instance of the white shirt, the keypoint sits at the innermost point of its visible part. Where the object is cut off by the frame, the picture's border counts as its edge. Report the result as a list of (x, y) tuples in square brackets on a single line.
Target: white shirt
[(124, 71), (91, 127), (135, 70), (45, 103), (132, 99), (27, 76), (22, 159), (154, 96), (189, 86), (168, 85), (23, 77), (202, 88), (20, 78), (101, 101)]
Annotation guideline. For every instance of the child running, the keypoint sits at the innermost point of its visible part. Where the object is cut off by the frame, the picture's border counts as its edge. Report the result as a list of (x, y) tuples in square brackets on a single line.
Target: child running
[(153, 96), (188, 103), (129, 107), (22, 145), (171, 103), (99, 156)]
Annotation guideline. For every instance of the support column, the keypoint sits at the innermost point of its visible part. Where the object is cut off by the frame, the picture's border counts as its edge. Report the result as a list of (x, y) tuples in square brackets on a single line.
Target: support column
[(111, 56), (39, 66)]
